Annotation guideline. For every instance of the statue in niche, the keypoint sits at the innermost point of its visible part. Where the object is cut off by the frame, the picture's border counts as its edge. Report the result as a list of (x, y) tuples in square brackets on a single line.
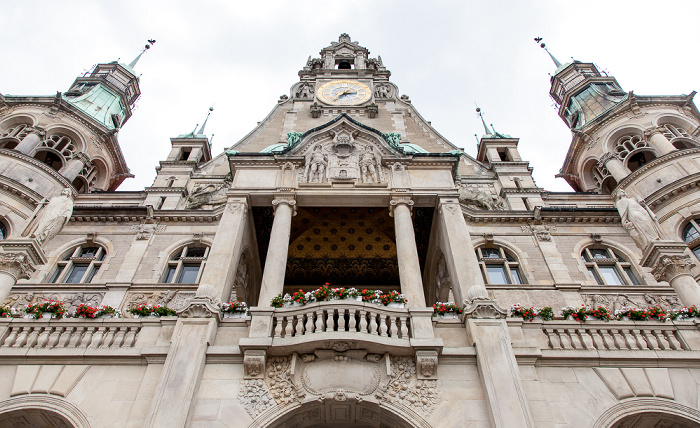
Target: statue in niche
[(305, 90), (368, 166), (343, 161), (638, 219), (51, 218), (316, 166)]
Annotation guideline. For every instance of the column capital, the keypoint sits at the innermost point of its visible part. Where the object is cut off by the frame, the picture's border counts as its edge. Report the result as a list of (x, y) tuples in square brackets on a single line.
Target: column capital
[(287, 200), (16, 264), (670, 266), (39, 131), (653, 130), (605, 158), (400, 200)]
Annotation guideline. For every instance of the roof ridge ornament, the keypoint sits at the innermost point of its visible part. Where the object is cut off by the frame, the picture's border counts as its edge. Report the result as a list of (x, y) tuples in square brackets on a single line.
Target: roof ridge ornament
[(148, 45), (543, 46)]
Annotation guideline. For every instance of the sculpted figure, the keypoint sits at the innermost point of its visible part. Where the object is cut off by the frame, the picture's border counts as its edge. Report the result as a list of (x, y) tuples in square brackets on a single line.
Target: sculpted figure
[(638, 219), (51, 218), (368, 167), (305, 90), (382, 91), (474, 197), (317, 166)]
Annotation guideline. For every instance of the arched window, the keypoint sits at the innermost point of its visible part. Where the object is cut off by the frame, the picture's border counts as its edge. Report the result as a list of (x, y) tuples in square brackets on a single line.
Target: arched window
[(186, 265), (691, 235), (607, 267), (3, 231), (498, 266), (80, 265)]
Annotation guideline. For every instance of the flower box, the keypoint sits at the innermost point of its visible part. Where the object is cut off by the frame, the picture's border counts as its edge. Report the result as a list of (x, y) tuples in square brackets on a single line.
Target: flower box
[(235, 314)]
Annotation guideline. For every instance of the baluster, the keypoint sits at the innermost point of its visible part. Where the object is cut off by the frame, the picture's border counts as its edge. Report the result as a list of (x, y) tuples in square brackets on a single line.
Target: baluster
[(596, 338), (22, 337), (405, 327), (382, 325), (130, 337), (55, 335), (575, 340), (638, 339), (620, 340), (87, 337), (278, 326), (584, 335), (329, 319), (108, 337), (44, 337), (10, 339), (651, 341), (34, 335), (118, 338), (393, 328), (75, 337), (319, 321), (564, 339), (608, 341), (673, 341), (288, 327), (372, 323), (342, 320), (363, 321), (552, 338), (65, 337), (352, 314), (660, 339), (308, 323)]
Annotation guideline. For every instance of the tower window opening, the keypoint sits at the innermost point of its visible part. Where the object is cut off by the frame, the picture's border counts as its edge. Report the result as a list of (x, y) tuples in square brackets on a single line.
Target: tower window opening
[(673, 131), (638, 160), (503, 155), (344, 65), (50, 159), (160, 203), (185, 154)]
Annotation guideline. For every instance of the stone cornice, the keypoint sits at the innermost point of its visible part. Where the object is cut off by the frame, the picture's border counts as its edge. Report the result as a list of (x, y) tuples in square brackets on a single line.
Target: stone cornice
[(181, 190), (582, 215)]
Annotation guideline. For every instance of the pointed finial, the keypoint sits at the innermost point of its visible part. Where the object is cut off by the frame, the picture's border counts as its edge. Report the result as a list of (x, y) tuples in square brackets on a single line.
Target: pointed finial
[(543, 46), (481, 116), (195, 128), (148, 45), (201, 130)]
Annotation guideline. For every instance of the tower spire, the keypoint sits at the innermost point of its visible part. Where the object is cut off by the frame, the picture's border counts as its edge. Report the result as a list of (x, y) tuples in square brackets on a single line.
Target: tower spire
[(543, 46), (148, 45), (483, 122), (201, 130)]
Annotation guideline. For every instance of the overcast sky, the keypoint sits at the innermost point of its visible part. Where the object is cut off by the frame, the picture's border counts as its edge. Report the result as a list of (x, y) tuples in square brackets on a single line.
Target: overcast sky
[(446, 56)]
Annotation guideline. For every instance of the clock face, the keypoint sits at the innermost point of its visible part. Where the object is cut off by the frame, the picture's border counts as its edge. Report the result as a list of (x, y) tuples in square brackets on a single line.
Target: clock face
[(344, 93)]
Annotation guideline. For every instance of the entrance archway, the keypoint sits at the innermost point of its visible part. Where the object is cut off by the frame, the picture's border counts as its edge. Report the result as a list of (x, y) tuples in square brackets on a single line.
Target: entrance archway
[(654, 420), (649, 413), (37, 418), (40, 411), (348, 413)]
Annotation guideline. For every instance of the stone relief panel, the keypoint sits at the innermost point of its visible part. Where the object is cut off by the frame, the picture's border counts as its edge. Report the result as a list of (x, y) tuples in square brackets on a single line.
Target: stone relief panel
[(176, 300), (207, 194), (357, 376), (480, 197), (70, 300), (543, 232), (636, 300)]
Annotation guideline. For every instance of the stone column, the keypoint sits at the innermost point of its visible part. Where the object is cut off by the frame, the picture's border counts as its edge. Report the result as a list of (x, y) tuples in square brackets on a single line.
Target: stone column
[(675, 269), (31, 141), (659, 141), (276, 260), (75, 166), (406, 252), (614, 166), (226, 249), (13, 266), (459, 252)]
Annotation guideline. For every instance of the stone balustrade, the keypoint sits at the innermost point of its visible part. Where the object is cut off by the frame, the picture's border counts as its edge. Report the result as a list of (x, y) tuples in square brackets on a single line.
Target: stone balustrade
[(614, 335), (342, 316)]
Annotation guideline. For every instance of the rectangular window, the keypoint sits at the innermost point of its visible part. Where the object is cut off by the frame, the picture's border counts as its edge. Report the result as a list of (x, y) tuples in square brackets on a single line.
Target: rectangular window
[(170, 274), (630, 275), (497, 275), (76, 273), (595, 276), (610, 275), (515, 274), (56, 274), (188, 274)]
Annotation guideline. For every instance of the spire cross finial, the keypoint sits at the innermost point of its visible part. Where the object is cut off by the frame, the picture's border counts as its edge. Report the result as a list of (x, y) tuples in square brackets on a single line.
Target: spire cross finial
[(201, 130), (543, 46), (483, 122), (148, 45)]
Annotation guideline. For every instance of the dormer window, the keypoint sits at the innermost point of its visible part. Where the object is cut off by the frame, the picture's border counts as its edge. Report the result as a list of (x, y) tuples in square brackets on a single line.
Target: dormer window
[(344, 64)]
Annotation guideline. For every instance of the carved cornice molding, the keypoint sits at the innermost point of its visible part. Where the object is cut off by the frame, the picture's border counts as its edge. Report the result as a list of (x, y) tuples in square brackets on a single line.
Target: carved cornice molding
[(17, 265), (670, 266)]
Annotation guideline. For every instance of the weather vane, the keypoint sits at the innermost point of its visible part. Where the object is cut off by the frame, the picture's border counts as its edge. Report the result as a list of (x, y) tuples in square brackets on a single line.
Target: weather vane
[(543, 46), (148, 45)]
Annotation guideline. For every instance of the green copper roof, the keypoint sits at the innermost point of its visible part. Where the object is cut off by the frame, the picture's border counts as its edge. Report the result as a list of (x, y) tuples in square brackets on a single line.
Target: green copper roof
[(101, 104)]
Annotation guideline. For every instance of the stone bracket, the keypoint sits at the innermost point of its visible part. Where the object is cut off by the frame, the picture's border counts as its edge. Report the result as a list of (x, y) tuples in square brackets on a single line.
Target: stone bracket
[(426, 364), (483, 308), (254, 363)]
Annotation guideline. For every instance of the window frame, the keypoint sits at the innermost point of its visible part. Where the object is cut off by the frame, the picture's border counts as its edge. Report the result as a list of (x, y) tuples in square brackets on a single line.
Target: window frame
[(75, 258), (623, 269), (694, 243), (180, 260), (506, 262)]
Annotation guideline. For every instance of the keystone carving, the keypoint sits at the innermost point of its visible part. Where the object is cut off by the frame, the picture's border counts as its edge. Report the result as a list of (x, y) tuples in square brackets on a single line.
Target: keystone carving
[(16, 264), (669, 267)]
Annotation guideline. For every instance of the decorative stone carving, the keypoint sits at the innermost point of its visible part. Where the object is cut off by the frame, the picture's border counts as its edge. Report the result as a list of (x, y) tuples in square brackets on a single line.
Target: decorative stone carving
[(305, 90), (70, 300), (205, 304), (638, 219), (278, 380), (372, 111), (316, 166), (369, 166), (315, 110), (406, 390), (382, 90), (16, 264), (176, 300), (288, 200), (479, 305), (634, 300), (207, 194), (393, 139), (293, 138), (401, 200), (480, 199), (427, 362), (669, 267), (255, 397), (541, 231), (254, 364), (146, 230), (50, 219)]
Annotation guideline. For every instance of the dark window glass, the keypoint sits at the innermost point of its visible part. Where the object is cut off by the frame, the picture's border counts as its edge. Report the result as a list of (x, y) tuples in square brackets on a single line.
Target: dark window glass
[(497, 275), (76, 273), (690, 233), (515, 274), (3, 231), (56, 274), (88, 251), (490, 253), (170, 274), (196, 252), (188, 274)]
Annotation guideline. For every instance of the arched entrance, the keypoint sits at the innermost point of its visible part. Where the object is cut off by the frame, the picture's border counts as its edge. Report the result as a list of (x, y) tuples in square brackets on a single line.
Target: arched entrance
[(345, 413), (40, 411), (37, 418), (649, 413)]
